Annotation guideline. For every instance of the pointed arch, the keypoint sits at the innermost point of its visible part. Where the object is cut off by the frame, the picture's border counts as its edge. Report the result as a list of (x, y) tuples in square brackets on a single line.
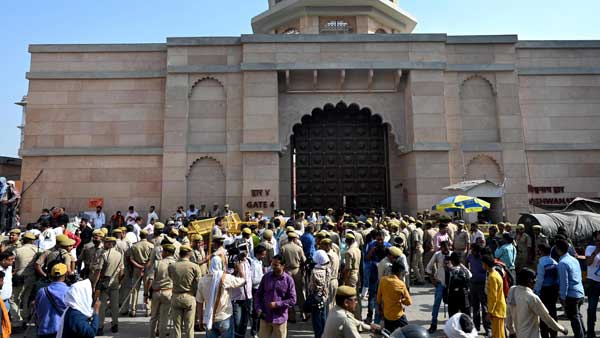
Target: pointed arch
[(206, 78), (481, 77), (484, 166), (479, 113), (207, 115), (205, 182)]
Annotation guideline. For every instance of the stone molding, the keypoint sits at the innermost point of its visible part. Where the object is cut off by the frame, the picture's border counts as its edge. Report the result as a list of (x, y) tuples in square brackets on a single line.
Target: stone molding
[(350, 38), (498, 67), (207, 148), (260, 147), (191, 69), (189, 171), (98, 48), (92, 151), (557, 44), (203, 41), (494, 146), (561, 146), (486, 156), (342, 65), (558, 70), (139, 74), (482, 39)]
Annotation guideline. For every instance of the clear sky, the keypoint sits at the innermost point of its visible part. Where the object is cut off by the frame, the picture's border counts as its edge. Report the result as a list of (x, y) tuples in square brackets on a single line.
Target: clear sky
[(130, 21)]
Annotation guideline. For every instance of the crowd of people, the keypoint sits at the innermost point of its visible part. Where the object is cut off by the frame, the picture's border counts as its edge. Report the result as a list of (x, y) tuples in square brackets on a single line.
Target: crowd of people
[(274, 271)]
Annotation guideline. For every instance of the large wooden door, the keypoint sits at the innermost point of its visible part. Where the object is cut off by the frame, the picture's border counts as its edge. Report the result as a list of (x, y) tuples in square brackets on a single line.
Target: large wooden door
[(340, 159)]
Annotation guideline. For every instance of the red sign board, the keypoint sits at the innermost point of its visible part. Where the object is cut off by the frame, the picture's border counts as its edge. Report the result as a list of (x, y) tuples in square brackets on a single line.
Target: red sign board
[(95, 202)]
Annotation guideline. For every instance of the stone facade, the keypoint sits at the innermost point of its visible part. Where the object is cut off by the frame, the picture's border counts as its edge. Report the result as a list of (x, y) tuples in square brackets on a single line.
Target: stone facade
[(209, 120)]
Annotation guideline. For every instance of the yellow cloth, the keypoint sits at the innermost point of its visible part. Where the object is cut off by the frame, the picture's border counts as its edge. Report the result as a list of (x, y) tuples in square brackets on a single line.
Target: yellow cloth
[(6, 328), (394, 294), (496, 302), (498, 327)]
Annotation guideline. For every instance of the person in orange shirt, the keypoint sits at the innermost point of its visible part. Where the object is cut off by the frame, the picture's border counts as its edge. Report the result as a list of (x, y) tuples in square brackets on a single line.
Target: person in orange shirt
[(494, 288), (392, 296)]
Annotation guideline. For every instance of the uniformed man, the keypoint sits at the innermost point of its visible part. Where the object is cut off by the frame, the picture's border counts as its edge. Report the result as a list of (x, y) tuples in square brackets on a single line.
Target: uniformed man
[(293, 258), (266, 242), (353, 261), (162, 290), (157, 235), (462, 241), (140, 263), (90, 255), (13, 242), (524, 246), (384, 267), (341, 322), (59, 254), (123, 246), (183, 236), (107, 281), (172, 237), (416, 258), (540, 238), (198, 255), (334, 258), (24, 273), (185, 276), (358, 237)]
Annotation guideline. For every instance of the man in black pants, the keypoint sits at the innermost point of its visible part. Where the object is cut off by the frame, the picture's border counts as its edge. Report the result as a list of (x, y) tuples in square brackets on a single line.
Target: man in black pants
[(546, 286), (477, 287)]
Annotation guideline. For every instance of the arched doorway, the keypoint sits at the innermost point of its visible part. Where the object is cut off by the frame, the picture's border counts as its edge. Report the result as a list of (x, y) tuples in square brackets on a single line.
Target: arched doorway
[(340, 159)]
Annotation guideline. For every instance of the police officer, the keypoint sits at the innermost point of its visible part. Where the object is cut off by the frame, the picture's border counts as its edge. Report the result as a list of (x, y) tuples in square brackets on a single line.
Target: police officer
[(293, 258), (107, 280), (352, 267), (327, 245), (162, 290), (185, 276), (13, 242), (58, 254), (524, 246), (198, 254), (24, 273), (140, 254), (183, 235), (417, 254), (540, 238), (341, 322), (158, 235), (90, 254)]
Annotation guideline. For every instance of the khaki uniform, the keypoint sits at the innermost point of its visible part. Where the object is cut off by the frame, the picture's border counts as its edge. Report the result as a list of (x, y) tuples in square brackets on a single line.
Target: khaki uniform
[(342, 324), (162, 287), (461, 241), (270, 253), (197, 257), (334, 264), (185, 276), (428, 245), (89, 256), (109, 268), (293, 256), (540, 239), (416, 259), (24, 278), (123, 247), (523, 251), (141, 253), (52, 255), (335, 248), (358, 238), (7, 246), (353, 259)]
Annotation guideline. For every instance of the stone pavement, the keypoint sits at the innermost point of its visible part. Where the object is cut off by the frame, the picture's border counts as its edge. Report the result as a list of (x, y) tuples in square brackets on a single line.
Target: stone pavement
[(419, 313)]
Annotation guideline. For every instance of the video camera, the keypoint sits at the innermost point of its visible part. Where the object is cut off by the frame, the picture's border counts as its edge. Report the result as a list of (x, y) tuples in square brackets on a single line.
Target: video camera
[(236, 252)]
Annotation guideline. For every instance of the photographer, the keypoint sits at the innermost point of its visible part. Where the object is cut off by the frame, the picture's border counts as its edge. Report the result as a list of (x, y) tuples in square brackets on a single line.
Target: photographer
[(242, 297), (213, 299)]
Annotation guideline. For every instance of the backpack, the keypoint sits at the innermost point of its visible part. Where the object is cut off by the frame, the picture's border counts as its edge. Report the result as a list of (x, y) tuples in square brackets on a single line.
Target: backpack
[(50, 263), (507, 277)]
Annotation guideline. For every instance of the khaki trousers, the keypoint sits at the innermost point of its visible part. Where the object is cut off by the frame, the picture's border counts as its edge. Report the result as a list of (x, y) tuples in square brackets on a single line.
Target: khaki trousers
[(333, 286), (183, 310), (111, 294), (299, 286), (133, 300), (416, 265), (161, 307), (267, 330), (125, 288)]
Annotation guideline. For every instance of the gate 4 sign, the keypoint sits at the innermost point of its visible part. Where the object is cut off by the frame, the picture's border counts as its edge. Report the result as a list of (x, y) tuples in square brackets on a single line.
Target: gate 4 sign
[(264, 201)]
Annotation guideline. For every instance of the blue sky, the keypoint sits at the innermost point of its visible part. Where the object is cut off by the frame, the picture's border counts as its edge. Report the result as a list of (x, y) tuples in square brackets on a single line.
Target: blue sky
[(130, 21)]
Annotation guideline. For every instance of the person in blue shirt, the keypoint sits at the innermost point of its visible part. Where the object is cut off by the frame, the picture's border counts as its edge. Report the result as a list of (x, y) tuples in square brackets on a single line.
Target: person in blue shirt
[(375, 253), (507, 253), (308, 241), (50, 304), (571, 287), (546, 286), (80, 319)]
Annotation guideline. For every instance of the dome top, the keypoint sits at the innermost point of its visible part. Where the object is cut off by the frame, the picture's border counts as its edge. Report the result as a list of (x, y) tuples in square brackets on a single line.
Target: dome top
[(333, 17)]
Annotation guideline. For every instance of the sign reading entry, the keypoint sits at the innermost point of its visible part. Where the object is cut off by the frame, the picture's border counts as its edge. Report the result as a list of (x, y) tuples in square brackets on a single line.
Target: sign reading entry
[(265, 199)]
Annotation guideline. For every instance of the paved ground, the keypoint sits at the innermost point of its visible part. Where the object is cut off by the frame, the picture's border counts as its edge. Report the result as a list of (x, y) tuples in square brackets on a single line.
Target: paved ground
[(419, 313)]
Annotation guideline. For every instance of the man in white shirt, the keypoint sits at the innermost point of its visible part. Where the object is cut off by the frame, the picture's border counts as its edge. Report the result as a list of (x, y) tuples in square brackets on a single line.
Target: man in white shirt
[(152, 215), (476, 234), (214, 299), (592, 257), (99, 218), (47, 239), (7, 258), (131, 215)]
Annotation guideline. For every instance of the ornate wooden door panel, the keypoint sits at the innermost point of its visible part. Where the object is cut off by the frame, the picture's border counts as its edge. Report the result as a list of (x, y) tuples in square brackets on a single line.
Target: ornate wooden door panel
[(341, 153)]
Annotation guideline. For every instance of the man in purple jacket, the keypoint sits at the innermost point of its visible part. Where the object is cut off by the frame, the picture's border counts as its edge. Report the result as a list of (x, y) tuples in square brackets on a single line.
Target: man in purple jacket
[(275, 296)]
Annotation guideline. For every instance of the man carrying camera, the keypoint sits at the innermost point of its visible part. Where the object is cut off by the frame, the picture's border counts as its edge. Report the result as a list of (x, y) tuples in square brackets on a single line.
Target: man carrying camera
[(242, 297)]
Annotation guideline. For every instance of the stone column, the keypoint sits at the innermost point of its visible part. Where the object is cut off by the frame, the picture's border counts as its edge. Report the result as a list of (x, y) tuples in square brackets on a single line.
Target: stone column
[(260, 147)]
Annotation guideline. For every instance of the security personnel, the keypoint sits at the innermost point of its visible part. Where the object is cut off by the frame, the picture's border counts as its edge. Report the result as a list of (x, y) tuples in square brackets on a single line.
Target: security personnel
[(183, 235), (140, 262), (123, 246), (172, 238), (162, 290), (90, 254), (462, 240), (198, 254), (540, 238), (358, 237), (13, 242), (353, 260), (157, 236), (341, 322), (107, 280), (24, 273), (266, 242), (58, 254), (185, 276), (293, 258), (334, 258), (524, 244), (416, 258)]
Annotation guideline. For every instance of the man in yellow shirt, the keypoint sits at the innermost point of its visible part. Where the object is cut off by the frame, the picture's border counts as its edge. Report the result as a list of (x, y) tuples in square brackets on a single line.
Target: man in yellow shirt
[(392, 296), (494, 288)]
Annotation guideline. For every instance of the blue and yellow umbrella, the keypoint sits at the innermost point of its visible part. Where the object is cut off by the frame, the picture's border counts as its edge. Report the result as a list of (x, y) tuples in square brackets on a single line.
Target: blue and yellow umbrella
[(463, 203)]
